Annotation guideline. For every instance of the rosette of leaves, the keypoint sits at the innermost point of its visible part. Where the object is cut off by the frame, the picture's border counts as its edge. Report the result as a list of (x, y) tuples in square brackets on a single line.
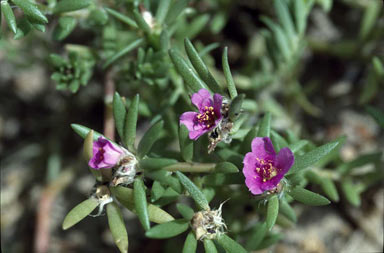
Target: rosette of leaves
[(71, 73)]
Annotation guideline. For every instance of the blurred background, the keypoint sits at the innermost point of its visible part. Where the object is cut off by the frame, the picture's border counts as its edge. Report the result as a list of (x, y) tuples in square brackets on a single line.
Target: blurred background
[(337, 91)]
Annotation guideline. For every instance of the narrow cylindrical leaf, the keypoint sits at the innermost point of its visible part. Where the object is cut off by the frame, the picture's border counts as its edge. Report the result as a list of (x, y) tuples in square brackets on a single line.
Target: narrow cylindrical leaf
[(350, 192), (297, 146), (268, 241), (83, 131), (218, 179), (236, 105), (158, 215), (265, 126), (176, 9), (79, 212), (286, 209), (64, 27), (190, 243), (121, 17), (228, 76), (300, 14), (168, 229), (123, 52), (209, 246), (229, 244), (88, 153), (141, 203), (166, 178), (200, 67), (193, 190), (149, 138), (186, 144), (257, 236), (70, 5), (131, 123), (329, 189), (162, 10), (185, 211), (285, 19), (119, 113), (307, 197), (23, 28), (31, 11), (124, 195), (304, 161), (272, 211), (186, 72), (156, 163), (246, 145), (226, 167), (9, 16), (117, 227), (141, 22), (157, 191)]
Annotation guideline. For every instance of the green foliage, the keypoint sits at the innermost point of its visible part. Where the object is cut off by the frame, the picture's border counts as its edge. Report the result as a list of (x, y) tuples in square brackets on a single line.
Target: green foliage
[(79, 212)]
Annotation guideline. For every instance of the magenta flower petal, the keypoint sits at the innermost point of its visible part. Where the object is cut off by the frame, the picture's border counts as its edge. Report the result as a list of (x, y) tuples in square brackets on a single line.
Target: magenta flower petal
[(208, 117), (201, 98), (285, 160), (105, 154), (263, 169), (263, 148)]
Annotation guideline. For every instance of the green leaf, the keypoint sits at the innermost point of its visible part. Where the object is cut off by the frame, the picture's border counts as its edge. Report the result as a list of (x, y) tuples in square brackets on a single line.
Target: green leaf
[(176, 9), (307, 197), (131, 123), (247, 142), (141, 203), (64, 27), (269, 241), (9, 16), (39, 27), (168, 229), (284, 17), (156, 163), (186, 72), (121, 17), (272, 211), (329, 188), (123, 52), (278, 141), (165, 177), (158, 215), (297, 146), (209, 246), (119, 112), (157, 191), (83, 131), (141, 22), (162, 10), (226, 167), (235, 108), (300, 14), (304, 161), (227, 74), (258, 234), (195, 192), (31, 11), (186, 144), (376, 114), (378, 66), (369, 19), (265, 126), (218, 179), (23, 28), (362, 160), (190, 244), (70, 5), (88, 153), (200, 67), (229, 245), (286, 209), (350, 192), (149, 138), (279, 37), (185, 211), (117, 227), (79, 212)]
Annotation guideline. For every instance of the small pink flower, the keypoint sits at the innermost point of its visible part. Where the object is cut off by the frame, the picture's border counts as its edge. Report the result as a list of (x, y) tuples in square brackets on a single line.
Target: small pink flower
[(105, 154), (263, 169), (208, 117)]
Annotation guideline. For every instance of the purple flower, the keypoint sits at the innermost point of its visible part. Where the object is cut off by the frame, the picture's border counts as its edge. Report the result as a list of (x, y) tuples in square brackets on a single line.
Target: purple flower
[(263, 169), (105, 154), (208, 117)]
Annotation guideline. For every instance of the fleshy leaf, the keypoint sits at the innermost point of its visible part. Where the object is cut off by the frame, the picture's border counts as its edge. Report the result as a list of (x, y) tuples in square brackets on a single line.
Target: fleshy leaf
[(79, 212), (190, 243), (149, 138), (307, 197), (168, 229), (117, 227), (140, 199), (195, 192), (272, 211)]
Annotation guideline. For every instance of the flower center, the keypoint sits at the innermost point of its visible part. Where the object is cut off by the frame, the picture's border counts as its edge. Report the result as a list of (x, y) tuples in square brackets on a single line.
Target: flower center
[(100, 155), (207, 117), (265, 169)]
